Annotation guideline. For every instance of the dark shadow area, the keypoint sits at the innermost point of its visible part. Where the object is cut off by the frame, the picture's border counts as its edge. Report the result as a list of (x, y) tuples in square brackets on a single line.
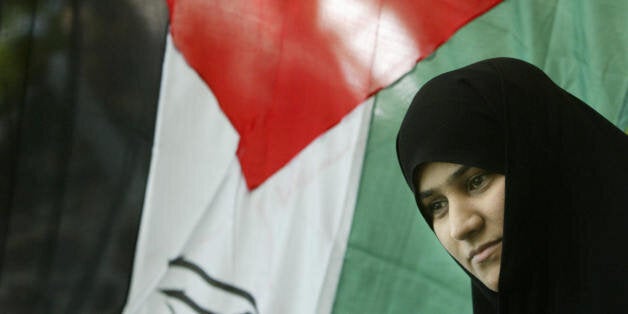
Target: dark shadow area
[(79, 83)]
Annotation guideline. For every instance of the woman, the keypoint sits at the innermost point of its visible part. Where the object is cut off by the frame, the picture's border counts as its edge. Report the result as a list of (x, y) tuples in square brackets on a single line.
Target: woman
[(524, 185)]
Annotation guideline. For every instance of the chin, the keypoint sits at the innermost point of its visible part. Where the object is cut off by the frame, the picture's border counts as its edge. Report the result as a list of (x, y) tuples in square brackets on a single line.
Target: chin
[(493, 286), (491, 281)]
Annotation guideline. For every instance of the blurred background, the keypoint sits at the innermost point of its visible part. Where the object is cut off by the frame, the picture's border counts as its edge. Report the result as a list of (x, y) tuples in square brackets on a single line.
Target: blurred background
[(79, 82)]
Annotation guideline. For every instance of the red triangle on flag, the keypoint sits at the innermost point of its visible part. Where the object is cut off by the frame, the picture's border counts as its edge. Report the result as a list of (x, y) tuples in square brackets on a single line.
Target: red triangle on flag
[(284, 72)]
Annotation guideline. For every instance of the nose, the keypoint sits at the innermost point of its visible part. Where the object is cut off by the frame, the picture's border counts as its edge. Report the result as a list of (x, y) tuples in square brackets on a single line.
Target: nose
[(464, 219)]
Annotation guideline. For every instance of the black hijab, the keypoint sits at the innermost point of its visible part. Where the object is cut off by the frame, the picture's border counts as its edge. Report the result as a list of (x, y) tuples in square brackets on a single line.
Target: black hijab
[(565, 236)]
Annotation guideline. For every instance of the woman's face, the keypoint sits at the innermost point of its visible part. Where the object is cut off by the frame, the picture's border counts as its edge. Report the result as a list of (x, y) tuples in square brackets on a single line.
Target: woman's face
[(467, 209)]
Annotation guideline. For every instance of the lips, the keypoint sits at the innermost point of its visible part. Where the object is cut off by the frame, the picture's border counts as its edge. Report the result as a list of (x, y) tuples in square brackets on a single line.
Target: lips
[(485, 250)]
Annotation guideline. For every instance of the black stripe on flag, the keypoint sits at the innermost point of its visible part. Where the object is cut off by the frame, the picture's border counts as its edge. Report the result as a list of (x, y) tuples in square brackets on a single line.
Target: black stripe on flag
[(182, 262)]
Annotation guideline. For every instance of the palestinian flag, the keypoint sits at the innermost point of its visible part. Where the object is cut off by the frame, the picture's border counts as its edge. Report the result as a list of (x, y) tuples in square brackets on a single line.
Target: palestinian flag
[(274, 186)]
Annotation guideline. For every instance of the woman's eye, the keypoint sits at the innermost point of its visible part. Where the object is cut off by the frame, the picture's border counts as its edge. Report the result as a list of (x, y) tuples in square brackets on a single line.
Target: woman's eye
[(476, 183), (437, 207)]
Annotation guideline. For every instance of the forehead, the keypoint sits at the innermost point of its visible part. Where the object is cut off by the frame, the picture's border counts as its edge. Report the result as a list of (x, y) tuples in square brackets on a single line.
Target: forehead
[(433, 174)]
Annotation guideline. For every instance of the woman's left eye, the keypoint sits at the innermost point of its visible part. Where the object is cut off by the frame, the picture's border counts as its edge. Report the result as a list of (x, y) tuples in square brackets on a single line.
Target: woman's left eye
[(477, 182)]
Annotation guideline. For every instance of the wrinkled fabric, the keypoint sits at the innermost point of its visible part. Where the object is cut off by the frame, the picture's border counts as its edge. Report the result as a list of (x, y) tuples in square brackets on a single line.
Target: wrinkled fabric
[(566, 196), (296, 68)]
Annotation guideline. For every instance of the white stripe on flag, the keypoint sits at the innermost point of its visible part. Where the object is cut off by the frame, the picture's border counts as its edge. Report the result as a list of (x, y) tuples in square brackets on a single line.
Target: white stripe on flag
[(281, 245)]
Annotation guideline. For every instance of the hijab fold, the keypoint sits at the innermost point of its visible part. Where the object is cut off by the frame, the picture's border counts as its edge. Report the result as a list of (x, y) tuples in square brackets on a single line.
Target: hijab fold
[(566, 168)]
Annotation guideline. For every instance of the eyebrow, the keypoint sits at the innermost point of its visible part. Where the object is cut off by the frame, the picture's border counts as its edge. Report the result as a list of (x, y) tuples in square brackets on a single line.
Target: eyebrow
[(455, 175)]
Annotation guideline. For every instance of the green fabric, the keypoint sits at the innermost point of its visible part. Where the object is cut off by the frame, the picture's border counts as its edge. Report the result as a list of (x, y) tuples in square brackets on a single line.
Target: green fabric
[(393, 262)]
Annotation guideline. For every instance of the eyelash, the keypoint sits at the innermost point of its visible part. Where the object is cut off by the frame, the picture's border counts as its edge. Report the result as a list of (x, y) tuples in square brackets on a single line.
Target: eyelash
[(474, 184), (473, 180), (431, 207)]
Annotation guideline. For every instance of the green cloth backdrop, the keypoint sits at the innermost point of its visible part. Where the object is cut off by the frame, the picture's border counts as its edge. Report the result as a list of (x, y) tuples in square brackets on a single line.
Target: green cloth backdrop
[(393, 262)]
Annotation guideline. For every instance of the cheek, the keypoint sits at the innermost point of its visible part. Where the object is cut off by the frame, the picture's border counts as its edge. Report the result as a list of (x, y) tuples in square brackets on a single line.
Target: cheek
[(442, 234), (495, 201)]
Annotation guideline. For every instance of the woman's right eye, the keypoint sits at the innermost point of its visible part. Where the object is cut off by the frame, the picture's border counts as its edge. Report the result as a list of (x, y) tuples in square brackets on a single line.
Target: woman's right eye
[(437, 207)]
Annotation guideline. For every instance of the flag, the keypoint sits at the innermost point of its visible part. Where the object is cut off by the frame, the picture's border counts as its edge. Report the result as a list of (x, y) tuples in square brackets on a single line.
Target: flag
[(328, 225)]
